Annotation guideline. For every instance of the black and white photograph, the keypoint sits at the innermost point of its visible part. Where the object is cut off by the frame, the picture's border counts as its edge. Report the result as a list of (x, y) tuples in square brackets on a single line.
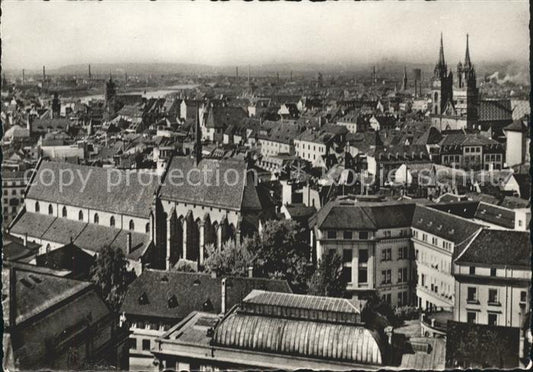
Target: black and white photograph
[(265, 185)]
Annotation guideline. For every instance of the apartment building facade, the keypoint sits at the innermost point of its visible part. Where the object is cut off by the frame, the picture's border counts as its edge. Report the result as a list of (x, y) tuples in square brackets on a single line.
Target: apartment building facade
[(374, 242)]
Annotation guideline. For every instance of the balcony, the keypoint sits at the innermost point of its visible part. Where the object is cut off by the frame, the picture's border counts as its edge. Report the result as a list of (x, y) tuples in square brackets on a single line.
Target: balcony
[(435, 324)]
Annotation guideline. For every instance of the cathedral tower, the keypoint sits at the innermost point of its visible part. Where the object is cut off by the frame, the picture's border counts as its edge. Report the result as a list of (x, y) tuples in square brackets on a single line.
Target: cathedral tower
[(442, 85), (466, 92)]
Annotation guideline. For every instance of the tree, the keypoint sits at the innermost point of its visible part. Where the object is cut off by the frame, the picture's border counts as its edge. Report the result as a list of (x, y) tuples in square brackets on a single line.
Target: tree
[(232, 260), (280, 253), (185, 266), (327, 280), (110, 275)]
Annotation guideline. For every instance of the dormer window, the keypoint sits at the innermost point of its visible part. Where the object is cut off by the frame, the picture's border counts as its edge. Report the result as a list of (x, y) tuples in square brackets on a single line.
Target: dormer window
[(143, 299), (207, 305), (172, 302)]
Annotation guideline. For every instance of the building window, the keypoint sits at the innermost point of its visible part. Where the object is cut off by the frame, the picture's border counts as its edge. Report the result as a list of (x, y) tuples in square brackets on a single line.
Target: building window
[(493, 319), (386, 276), (132, 225), (112, 221), (424, 237), (403, 253), (363, 256), (363, 235), (493, 296), (96, 219), (472, 270), (133, 343), (347, 274), (332, 234), (64, 212), (492, 271), (471, 295), (386, 254), (362, 275), (80, 216), (146, 345), (347, 235), (50, 209), (347, 256), (147, 227), (470, 316), (523, 296), (402, 275)]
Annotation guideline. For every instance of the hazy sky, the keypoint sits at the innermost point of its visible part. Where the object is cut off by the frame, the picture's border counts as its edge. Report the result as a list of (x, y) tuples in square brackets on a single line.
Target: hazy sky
[(62, 33)]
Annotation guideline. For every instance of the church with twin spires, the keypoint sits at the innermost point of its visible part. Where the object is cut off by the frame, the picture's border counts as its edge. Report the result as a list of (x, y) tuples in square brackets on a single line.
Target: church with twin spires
[(455, 101)]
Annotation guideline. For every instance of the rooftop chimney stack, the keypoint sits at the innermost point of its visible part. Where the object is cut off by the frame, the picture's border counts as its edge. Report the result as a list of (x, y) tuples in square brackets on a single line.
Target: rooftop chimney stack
[(25, 239), (223, 297), (128, 243), (250, 271), (12, 297)]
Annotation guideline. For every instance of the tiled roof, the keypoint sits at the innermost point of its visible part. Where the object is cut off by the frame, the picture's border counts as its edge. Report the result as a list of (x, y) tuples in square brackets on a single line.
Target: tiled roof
[(222, 116), (517, 126), (63, 231), (444, 225), (495, 110), (512, 202), (203, 188), (354, 216), (283, 132), (520, 108), (467, 139), (109, 190), (192, 291), (496, 215), (36, 292), (462, 208), (35, 224), (43, 125)]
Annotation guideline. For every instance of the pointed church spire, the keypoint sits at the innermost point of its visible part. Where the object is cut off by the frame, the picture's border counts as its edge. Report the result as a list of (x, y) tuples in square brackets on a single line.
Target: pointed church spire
[(467, 54), (404, 81), (198, 140), (442, 62)]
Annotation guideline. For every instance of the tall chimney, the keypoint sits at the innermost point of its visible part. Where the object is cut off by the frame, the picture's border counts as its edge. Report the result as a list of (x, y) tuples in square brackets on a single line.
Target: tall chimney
[(223, 297), (237, 72), (248, 74), (23, 76), (89, 71), (128, 243), (44, 73), (12, 297)]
